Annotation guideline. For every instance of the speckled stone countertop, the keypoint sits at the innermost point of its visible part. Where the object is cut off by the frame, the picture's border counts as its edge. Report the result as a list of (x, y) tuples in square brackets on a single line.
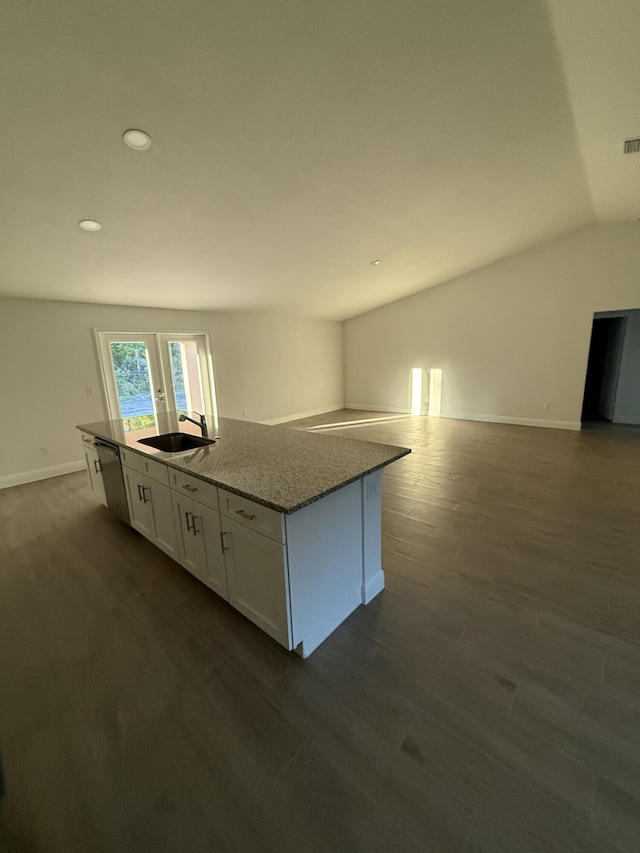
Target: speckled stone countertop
[(282, 468)]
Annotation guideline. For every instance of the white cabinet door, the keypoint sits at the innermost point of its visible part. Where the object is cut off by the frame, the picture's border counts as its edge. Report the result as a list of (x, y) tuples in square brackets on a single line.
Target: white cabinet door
[(139, 503), (200, 545), (191, 547), (94, 472), (207, 521), (165, 534), (258, 579), (151, 510)]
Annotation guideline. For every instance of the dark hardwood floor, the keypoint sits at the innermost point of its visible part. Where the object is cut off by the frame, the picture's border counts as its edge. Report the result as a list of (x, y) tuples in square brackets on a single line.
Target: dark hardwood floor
[(487, 700)]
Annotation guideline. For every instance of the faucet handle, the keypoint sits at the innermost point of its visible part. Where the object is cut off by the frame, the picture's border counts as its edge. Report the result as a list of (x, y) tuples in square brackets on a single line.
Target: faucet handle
[(203, 424)]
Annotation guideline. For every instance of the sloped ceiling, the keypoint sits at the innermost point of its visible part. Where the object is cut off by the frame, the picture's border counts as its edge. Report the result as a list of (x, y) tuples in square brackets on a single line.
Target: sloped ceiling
[(294, 142), (600, 51)]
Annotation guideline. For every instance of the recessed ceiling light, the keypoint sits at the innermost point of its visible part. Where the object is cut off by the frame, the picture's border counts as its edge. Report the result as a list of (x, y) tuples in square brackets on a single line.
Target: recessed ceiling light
[(375, 263), (89, 225), (137, 139)]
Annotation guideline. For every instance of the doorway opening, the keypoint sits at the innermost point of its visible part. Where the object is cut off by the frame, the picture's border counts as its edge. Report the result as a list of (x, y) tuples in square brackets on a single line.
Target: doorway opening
[(603, 369)]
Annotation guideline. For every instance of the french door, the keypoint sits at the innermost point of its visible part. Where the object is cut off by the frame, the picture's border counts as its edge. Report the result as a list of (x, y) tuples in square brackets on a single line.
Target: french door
[(149, 374)]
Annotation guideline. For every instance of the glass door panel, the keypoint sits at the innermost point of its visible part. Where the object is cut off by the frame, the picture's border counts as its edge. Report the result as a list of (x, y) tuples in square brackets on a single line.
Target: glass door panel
[(134, 383), (186, 379), (133, 378)]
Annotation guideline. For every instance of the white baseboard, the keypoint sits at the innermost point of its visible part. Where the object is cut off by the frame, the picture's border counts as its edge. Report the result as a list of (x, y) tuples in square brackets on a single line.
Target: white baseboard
[(296, 416), (370, 407), (372, 587), (500, 419), (41, 474), (494, 419)]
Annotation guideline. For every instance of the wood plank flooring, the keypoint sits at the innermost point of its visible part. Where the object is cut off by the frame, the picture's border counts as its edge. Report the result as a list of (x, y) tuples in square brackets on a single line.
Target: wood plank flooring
[(487, 700)]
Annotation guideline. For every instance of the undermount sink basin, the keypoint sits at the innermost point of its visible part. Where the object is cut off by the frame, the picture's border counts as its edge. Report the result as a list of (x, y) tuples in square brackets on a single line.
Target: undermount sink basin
[(174, 442)]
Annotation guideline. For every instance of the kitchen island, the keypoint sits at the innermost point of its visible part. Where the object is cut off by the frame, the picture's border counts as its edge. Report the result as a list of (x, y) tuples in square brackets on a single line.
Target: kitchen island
[(282, 523)]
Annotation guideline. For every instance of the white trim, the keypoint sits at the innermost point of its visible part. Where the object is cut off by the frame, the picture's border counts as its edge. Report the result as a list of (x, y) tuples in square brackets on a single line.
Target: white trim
[(299, 415), (372, 587), (494, 419), (42, 474), (533, 422), (371, 407)]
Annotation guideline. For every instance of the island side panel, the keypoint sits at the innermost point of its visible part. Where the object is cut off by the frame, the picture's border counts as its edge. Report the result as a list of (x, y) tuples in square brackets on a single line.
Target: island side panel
[(324, 543), (372, 573)]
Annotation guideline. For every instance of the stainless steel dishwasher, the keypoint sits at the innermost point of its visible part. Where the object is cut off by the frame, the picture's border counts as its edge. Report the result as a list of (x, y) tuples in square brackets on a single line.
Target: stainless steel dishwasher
[(109, 456)]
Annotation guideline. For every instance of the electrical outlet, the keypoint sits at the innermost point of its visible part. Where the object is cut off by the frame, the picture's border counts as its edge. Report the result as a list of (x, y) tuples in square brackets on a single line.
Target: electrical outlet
[(547, 407), (44, 449), (244, 412)]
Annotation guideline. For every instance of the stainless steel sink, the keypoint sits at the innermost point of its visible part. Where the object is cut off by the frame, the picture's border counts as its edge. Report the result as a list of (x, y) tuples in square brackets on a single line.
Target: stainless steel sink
[(175, 442)]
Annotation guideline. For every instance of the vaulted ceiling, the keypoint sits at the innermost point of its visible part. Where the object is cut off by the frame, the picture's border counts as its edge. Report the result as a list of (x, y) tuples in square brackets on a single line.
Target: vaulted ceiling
[(295, 142)]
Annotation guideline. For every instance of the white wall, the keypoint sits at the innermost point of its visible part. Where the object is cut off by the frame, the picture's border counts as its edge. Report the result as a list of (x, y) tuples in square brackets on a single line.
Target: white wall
[(511, 338), (272, 368)]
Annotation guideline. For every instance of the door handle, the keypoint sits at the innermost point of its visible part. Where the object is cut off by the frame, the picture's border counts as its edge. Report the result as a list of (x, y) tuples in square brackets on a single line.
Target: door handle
[(224, 547), (140, 498), (245, 514), (98, 466), (194, 528), (186, 515), (144, 495)]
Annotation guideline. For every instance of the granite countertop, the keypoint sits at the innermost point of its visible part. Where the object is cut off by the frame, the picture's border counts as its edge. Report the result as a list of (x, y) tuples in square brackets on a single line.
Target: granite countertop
[(282, 468)]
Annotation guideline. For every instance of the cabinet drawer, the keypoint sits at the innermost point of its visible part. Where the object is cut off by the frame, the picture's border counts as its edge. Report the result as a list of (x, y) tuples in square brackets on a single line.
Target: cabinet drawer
[(156, 470), (255, 516), (205, 493), (132, 459)]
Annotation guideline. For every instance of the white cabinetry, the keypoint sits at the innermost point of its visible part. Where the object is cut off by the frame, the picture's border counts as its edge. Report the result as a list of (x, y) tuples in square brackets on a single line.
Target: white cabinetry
[(258, 579), (296, 576), (197, 521), (94, 469), (253, 539), (150, 506), (139, 505)]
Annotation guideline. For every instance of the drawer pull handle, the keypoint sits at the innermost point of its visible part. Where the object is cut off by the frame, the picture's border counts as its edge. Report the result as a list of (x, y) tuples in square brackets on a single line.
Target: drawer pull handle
[(189, 488), (245, 514), (98, 466)]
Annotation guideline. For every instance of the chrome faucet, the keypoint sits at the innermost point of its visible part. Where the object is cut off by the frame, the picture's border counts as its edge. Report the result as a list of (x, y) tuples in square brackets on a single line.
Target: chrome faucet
[(202, 423)]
